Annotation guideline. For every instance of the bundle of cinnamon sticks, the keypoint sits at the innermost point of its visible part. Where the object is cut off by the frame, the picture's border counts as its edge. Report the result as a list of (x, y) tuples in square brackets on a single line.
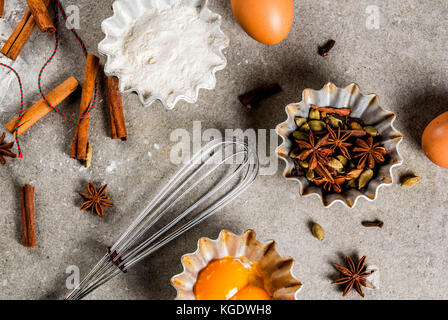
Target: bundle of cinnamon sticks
[(79, 149), (36, 14), (79, 145)]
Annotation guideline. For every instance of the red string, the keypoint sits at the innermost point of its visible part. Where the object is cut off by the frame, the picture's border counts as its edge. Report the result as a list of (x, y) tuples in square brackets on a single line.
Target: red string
[(21, 106), (57, 7)]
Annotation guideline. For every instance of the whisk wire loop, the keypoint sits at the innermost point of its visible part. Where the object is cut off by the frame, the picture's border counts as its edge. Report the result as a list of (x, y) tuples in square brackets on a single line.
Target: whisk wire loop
[(138, 241)]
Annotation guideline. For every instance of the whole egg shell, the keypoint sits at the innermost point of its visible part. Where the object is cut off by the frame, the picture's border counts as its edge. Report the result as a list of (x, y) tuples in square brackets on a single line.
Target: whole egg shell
[(267, 21), (435, 140)]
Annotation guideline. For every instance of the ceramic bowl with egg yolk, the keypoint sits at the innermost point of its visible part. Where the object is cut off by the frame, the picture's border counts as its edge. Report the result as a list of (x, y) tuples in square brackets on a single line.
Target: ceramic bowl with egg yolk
[(236, 267)]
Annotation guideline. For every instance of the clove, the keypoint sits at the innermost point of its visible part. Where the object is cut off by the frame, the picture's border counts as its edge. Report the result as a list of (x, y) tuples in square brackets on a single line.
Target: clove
[(325, 49), (376, 223)]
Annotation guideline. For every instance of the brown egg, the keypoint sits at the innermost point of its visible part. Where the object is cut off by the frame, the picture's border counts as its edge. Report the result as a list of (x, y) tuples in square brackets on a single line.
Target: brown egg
[(267, 21), (435, 140)]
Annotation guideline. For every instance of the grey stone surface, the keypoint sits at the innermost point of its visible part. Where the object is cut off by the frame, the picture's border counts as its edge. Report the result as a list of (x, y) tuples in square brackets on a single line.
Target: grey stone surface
[(404, 61)]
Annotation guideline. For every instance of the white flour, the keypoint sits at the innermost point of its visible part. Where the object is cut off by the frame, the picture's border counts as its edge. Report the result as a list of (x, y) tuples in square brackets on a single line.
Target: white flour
[(167, 52)]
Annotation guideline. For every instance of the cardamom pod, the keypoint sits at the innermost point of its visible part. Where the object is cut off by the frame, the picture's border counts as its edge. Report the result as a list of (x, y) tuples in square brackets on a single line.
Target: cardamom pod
[(317, 125), (304, 164), (355, 125), (410, 181), (294, 154), (314, 114), (318, 231), (334, 122), (300, 121), (305, 127), (364, 178), (354, 174), (342, 159), (300, 135), (352, 184), (310, 175), (335, 164), (371, 131)]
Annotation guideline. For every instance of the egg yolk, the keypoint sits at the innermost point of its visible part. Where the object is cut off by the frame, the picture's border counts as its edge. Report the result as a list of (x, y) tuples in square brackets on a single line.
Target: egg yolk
[(251, 293), (225, 279)]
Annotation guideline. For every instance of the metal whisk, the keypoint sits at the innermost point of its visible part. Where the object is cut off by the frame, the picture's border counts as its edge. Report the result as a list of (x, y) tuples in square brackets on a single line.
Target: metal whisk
[(228, 165)]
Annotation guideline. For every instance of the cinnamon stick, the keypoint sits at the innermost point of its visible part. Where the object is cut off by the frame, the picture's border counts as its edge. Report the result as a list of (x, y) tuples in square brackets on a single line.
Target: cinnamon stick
[(79, 145), (341, 112), (115, 103), (256, 95), (18, 38), (27, 205), (41, 15), (2, 8), (41, 108)]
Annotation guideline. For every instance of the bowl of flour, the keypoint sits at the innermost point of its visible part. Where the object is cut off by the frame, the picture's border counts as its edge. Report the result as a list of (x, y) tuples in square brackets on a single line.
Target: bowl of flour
[(163, 50)]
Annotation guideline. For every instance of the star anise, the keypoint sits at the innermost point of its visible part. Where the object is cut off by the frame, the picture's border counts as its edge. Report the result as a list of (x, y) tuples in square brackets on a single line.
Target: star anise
[(4, 152), (338, 141), (314, 151), (353, 276), (96, 200), (327, 180), (369, 152)]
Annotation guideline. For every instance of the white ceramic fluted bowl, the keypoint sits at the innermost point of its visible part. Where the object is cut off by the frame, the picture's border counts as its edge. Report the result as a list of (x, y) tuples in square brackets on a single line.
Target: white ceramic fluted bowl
[(278, 270), (127, 11), (365, 107)]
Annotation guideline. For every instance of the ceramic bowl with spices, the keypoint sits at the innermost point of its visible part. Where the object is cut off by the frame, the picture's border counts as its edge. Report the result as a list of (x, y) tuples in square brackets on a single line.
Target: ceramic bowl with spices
[(236, 267), (163, 50), (339, 144)]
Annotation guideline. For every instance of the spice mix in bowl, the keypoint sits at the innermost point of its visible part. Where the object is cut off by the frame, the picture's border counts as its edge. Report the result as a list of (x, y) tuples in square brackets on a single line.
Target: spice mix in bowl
[(163, 50), (339, 144)]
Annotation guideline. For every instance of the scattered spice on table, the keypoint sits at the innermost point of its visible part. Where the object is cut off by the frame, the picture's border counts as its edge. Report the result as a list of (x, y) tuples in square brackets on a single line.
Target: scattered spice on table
[(95, 199), (318, 231), (256, 95), (27, 205), (4, 150), (335, 151), (354, 276), (410, 181), (376, 223), (325, 49)]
